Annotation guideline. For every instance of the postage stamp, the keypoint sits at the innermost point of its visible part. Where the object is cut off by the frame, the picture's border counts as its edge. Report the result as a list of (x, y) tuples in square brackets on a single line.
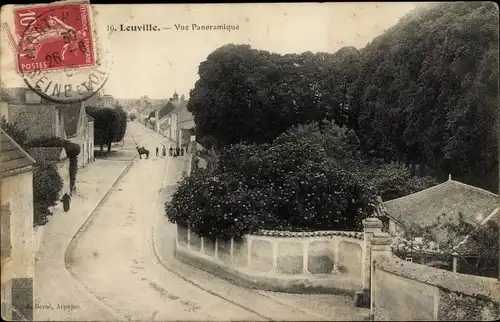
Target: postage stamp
[(59, 54), (54, 37)]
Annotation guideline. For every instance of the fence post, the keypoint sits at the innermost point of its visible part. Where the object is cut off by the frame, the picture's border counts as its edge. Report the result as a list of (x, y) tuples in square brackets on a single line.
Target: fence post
[(380, 246), (455, 261), (370, 227)]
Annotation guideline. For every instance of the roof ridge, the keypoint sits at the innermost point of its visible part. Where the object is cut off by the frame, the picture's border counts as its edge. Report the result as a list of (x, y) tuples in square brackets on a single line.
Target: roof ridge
[(443, 183), (17, 146), (411, 194), (473, 187)]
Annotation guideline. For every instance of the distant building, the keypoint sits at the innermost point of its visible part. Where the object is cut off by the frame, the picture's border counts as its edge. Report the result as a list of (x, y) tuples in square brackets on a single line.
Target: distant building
[(17, 233), (175, 122), (107, 101), (40, 118)]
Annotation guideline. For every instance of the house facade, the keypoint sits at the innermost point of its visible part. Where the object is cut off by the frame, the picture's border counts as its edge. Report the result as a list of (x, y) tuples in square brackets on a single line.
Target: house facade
[(40, 118), (17, 244), (37, 118), (177, 123), (77, 130)]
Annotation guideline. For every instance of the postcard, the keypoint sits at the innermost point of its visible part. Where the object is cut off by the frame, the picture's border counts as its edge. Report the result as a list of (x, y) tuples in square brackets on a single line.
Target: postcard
[(249, 162)]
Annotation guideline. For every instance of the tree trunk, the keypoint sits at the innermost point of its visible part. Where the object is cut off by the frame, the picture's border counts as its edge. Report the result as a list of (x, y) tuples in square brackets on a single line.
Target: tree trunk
[(413, 165), (109, 147), (421, 169), (101, 149)]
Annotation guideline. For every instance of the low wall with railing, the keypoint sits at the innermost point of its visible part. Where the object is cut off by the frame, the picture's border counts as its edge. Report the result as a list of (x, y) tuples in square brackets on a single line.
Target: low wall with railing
[(322, 261)]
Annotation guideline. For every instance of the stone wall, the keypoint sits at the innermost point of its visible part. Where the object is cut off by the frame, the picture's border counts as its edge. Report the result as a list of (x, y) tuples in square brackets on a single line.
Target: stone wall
[(323, 261), (408, 291)]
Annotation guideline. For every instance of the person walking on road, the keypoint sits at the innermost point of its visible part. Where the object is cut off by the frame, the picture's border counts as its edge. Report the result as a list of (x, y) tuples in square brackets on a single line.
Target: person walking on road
[(171, 151), (66, 201), (177, 151), (157, 151), (164, 151)]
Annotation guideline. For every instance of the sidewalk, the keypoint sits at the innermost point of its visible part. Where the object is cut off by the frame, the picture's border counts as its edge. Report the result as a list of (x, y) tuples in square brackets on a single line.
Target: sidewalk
[(57, 295)]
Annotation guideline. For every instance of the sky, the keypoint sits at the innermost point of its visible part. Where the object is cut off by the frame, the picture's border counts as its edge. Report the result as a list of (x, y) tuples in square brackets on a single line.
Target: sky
[(157, 63)]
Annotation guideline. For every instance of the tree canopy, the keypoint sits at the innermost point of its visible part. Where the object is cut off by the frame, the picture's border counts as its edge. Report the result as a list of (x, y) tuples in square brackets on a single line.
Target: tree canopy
[(290, 184), (423, 93), (110, 125)]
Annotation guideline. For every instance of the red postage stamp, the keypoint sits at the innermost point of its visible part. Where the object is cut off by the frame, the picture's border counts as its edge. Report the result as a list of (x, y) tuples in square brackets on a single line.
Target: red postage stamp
[(54, 37)]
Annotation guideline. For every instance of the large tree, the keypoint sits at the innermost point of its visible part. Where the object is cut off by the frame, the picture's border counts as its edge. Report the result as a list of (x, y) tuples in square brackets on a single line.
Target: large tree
[(423, 94), (106, 126), (121, 123)]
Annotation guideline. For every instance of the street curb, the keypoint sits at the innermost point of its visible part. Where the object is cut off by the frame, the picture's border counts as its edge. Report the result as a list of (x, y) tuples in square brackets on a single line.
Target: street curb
[(180, 275), (83, 228)]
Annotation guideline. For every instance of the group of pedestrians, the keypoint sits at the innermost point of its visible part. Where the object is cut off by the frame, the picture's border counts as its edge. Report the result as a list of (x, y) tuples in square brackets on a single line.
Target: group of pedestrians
[(172, 152)]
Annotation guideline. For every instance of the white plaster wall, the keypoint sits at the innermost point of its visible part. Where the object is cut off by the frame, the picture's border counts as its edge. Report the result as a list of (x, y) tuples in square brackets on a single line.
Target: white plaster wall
[(18, 191)]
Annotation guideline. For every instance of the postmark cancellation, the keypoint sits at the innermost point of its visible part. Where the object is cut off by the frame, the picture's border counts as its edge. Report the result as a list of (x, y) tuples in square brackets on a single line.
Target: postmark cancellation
[(58, 50)]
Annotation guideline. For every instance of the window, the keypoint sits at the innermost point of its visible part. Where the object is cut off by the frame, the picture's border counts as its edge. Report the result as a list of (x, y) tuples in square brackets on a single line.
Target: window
[(5, 233)]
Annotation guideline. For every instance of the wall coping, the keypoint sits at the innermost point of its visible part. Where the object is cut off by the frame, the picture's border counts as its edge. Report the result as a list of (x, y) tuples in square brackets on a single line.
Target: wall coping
[(470, 285), (319, 233)]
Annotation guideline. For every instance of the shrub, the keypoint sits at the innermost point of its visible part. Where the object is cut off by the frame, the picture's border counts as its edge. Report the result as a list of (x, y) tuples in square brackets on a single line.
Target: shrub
[(132, 116), (47, 185), (14, 131), (72, 151), (287, 185)]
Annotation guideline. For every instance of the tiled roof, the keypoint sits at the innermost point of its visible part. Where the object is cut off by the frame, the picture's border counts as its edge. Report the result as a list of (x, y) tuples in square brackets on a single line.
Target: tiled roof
[(12, 156), (14, 94), (179, 105), (92, 100), (5, 95), (71, 114), (46, 153), (165, 110), (450, 198)]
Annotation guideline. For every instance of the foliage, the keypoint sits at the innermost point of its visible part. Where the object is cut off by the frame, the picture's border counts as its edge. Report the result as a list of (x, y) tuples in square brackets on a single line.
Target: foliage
[(110, 125), (449, 234), (342, 144), (72, 151), (46, 187), (290, 184), (211, 156), (132, 116), (14, 131), (121, 123), (424, 93)]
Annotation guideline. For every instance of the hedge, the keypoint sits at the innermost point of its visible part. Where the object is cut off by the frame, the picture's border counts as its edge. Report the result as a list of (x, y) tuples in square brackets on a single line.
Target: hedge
[(288, 185)]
